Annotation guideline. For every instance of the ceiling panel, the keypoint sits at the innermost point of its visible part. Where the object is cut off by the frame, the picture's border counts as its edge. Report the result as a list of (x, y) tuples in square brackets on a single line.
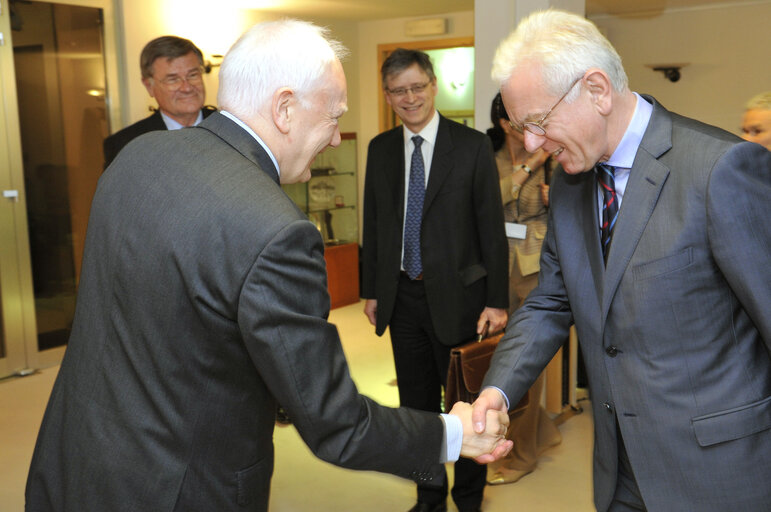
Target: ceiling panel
[(380, 9)]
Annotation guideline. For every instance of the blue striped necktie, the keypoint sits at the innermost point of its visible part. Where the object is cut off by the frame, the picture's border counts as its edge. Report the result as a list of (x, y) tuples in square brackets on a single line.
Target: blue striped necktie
[(414, 216), (606, 175)]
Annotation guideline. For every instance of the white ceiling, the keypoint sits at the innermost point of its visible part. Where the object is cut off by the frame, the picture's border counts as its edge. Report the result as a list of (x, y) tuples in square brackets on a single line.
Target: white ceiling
[(380, 9)]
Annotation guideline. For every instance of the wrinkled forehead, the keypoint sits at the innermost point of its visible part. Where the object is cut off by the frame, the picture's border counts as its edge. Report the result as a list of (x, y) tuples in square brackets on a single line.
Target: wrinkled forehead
[(757, 115), (524, 93), (186, 62), (405, 77), (332, 89)]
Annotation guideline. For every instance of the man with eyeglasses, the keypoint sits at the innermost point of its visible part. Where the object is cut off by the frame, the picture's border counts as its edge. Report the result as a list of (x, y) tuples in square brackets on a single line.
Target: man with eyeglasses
[(172, 72), (657, 249), (435, 254)]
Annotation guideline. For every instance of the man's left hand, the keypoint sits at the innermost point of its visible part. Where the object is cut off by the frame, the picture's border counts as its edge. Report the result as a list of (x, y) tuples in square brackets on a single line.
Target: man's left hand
[(496, 317)]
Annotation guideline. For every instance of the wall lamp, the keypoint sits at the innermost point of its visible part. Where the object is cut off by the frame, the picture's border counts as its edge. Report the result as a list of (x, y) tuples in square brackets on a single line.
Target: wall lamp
[(209, 65)]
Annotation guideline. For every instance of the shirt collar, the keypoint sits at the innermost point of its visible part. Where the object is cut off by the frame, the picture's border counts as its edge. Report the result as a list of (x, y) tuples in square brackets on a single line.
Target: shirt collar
[(171, 124), (428, 133), (623, 156), (253, 134)]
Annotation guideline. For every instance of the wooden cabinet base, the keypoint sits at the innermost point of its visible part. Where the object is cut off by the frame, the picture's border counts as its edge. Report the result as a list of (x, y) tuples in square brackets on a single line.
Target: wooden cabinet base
[(342, 274)]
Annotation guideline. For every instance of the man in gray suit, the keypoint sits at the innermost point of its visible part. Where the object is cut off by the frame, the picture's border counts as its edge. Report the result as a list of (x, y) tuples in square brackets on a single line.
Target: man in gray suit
[(675, 328), (203, 301)]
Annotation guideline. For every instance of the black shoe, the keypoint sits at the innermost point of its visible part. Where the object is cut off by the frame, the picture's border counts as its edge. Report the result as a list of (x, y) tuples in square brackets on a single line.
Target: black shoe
[(426, 507)]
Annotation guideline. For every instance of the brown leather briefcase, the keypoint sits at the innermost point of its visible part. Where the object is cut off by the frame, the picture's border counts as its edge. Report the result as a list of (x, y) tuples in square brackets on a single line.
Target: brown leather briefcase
[(468, 365)]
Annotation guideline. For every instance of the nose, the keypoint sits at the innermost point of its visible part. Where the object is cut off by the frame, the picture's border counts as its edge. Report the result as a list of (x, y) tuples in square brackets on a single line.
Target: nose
[(533, 141), (336, 138), (185, 85)]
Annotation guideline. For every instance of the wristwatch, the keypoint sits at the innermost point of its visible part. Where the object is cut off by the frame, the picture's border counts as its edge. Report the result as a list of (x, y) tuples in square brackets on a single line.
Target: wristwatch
[(525, 168)]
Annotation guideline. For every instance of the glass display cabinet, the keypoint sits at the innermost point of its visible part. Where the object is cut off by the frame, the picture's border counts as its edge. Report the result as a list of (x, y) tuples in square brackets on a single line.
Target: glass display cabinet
[(330, 199)]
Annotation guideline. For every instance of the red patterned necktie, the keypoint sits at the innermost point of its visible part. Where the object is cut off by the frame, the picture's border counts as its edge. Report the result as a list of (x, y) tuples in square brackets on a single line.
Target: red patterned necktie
[(606, 175)]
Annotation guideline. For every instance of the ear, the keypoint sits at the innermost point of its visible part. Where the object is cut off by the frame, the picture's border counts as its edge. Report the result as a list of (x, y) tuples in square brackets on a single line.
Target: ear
[(599, 86), (387, 98), (281, 109), (149, 86)]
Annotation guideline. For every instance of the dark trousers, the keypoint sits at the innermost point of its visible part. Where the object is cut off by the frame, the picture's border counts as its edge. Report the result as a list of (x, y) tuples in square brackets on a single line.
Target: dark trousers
[(627, 497), (421, 372)]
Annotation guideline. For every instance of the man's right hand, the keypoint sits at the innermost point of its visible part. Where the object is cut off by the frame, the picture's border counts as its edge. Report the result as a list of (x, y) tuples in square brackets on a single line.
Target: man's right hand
[(490, 399), (490, 444), (370, 309)]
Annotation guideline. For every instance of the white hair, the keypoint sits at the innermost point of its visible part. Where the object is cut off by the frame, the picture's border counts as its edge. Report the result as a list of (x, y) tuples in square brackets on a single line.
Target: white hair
[(565, 45), (760, 102), (285, 53)]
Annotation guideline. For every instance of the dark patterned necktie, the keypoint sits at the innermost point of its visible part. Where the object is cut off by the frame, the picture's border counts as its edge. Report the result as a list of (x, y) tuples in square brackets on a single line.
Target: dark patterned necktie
[(606, 175), (414, 215)]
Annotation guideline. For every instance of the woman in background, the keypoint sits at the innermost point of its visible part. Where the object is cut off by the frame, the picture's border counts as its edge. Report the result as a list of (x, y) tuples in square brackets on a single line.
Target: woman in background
[(525, 193)]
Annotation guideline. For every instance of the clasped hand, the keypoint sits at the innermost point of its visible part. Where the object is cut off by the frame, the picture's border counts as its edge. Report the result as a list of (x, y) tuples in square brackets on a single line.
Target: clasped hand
[(488, 445)]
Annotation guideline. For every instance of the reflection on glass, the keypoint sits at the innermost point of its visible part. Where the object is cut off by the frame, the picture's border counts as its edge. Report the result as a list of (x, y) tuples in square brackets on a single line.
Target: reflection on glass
[(2, 330), (59, 63)]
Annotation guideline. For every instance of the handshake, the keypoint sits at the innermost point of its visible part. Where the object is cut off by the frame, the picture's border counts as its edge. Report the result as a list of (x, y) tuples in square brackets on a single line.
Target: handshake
[(484, 429)]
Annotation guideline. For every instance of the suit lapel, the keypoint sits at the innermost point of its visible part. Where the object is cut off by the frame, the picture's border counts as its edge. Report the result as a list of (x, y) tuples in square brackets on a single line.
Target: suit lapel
[(441, 162), (394, 172), (240, 140), (646, 180)]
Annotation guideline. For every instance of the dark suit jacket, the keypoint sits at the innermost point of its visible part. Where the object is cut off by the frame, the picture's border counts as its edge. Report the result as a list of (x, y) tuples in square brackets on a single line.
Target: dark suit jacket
[(202, 302), (115, 142), (463, 240), (676, 330)]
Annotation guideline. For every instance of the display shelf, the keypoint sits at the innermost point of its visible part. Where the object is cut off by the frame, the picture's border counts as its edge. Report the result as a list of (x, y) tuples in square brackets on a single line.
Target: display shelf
[(330, 200)]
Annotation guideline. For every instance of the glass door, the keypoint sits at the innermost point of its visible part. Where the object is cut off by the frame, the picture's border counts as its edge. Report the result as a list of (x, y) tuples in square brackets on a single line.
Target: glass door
[(54, 113)]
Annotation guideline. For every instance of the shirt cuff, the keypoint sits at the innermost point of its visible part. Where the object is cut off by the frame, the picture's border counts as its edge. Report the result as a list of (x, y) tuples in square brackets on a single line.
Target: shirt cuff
[(505, 398), (453, 437)]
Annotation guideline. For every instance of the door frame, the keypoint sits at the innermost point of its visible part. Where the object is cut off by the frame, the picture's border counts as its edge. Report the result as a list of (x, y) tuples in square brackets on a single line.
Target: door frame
[(17, 301)]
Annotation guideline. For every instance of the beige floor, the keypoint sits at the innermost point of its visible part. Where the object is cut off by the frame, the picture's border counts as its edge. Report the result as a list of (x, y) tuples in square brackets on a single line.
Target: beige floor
[(302, 483)]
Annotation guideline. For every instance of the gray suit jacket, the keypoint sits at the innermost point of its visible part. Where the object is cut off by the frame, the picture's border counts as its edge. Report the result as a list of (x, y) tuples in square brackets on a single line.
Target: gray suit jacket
[(202, 301), (676, 331)]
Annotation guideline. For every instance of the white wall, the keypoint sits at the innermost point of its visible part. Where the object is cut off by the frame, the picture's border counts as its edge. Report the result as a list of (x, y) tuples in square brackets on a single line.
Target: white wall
[(212, 30), (727, 48), (726, 45)]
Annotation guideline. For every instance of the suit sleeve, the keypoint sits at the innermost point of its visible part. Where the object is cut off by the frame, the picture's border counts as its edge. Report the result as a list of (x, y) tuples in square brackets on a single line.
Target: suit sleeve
[(536, 330), (738, 211), (282, 315), (490, 225), (369, 230)]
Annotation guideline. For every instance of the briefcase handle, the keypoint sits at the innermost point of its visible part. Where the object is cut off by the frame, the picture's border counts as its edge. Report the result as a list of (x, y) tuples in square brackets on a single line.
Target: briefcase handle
[(482, 334)]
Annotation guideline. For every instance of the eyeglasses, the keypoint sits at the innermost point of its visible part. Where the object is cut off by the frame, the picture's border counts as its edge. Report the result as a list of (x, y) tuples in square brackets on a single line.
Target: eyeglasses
[(536, 127), (402, 91), (174, 82)]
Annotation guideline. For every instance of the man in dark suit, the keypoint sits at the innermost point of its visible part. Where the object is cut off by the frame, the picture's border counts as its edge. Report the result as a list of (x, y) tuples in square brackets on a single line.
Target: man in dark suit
[(674, 327), (203, 301), (172, 72), (434, 271)]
